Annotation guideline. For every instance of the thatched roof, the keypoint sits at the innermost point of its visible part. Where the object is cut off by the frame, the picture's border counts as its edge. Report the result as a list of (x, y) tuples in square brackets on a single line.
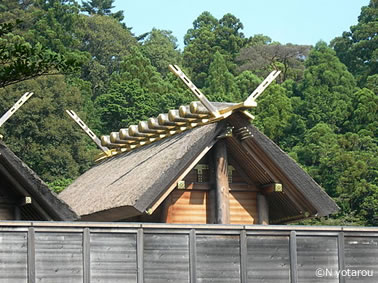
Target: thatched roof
[(130, 183), (302, 194), (24, 182)]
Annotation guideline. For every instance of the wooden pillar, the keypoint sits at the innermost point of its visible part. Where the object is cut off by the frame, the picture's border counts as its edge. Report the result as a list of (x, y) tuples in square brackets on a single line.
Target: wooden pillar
[(263, 209), (211, 197), (221, 183)]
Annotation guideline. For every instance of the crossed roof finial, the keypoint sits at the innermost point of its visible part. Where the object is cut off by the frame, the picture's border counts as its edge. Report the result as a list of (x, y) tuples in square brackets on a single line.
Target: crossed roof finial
[(196, 114)]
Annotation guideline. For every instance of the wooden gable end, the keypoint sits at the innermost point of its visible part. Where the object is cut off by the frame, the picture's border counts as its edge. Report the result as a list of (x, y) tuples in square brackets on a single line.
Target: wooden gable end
[(194, 200), (24, 196), (14, 204), (7, 209)]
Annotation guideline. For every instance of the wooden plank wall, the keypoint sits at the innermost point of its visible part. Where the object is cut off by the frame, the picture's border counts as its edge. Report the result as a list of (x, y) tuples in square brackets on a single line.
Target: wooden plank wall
[(187, 206), (116, 252), (195, 204), (243, 207)]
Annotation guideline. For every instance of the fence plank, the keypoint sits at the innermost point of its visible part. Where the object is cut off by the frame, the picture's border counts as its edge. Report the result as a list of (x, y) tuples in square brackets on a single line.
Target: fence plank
[(243, 256), (361, 254), (31, 255), (140, 250), (86, 255), (166, 258), (59, 257), (341, 255), (293, 257), (113, 257), (317, 253), (268, 259), (218, 258), (192, 256), (13, 257)]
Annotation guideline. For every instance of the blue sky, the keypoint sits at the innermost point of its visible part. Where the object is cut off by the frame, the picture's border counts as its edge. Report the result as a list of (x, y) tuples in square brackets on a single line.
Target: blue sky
[(286, 21)]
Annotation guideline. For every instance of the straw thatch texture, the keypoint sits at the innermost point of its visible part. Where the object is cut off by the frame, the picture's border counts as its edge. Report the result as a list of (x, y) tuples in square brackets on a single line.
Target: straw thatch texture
[(136, 179)]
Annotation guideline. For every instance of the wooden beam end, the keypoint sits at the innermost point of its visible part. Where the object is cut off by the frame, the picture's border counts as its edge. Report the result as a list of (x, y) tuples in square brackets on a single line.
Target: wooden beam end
[(272, 188), (25, 201)]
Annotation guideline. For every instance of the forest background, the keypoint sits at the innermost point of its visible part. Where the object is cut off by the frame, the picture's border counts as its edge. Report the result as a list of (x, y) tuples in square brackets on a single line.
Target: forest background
[(322, 109)]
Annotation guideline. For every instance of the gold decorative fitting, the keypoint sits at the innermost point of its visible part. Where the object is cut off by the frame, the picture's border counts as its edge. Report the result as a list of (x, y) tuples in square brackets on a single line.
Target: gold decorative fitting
[(181, 185), (227, 133), (243, 133)]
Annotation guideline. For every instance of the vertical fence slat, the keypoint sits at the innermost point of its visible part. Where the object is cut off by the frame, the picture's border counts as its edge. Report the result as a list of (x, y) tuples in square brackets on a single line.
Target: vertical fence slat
[(341, 256), (140, 260), (293, 257), (243, 256), (192, 256), (86, 255), (31, 255)]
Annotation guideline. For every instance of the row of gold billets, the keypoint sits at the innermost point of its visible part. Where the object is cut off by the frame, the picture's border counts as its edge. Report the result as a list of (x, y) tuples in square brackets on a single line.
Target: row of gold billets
[(162, 125), (114, 141), (121, 146), (165, 125), (133, 136)]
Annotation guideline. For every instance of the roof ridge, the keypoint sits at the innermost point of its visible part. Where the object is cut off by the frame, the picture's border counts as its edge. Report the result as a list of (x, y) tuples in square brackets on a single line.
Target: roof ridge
[(166, 125), (197, 113)]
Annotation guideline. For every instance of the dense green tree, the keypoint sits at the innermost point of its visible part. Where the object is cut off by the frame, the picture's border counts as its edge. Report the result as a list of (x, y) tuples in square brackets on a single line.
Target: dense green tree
[(105, 39), (365, 113), (125, 103), (136, 93), (258, 39), (205, 21), (50, 24), (20, 60), (372, 83), (229, 36), (59, 185), (327, 89), (207, 36), (200, 43), (345, 166), (274, 112), (138, 67), (358, 48), (41, 133), (220, 83), (316, 142), (107, 42), (160, 47), (102, 7), (246, 83), (53, 24)]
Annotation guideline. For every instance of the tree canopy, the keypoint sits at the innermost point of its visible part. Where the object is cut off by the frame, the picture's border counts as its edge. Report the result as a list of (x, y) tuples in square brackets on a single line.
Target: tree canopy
[(358, 48), (21, 60)]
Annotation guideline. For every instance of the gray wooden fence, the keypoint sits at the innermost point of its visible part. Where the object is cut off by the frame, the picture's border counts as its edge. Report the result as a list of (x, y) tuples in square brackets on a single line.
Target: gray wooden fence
[(111, 252)]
